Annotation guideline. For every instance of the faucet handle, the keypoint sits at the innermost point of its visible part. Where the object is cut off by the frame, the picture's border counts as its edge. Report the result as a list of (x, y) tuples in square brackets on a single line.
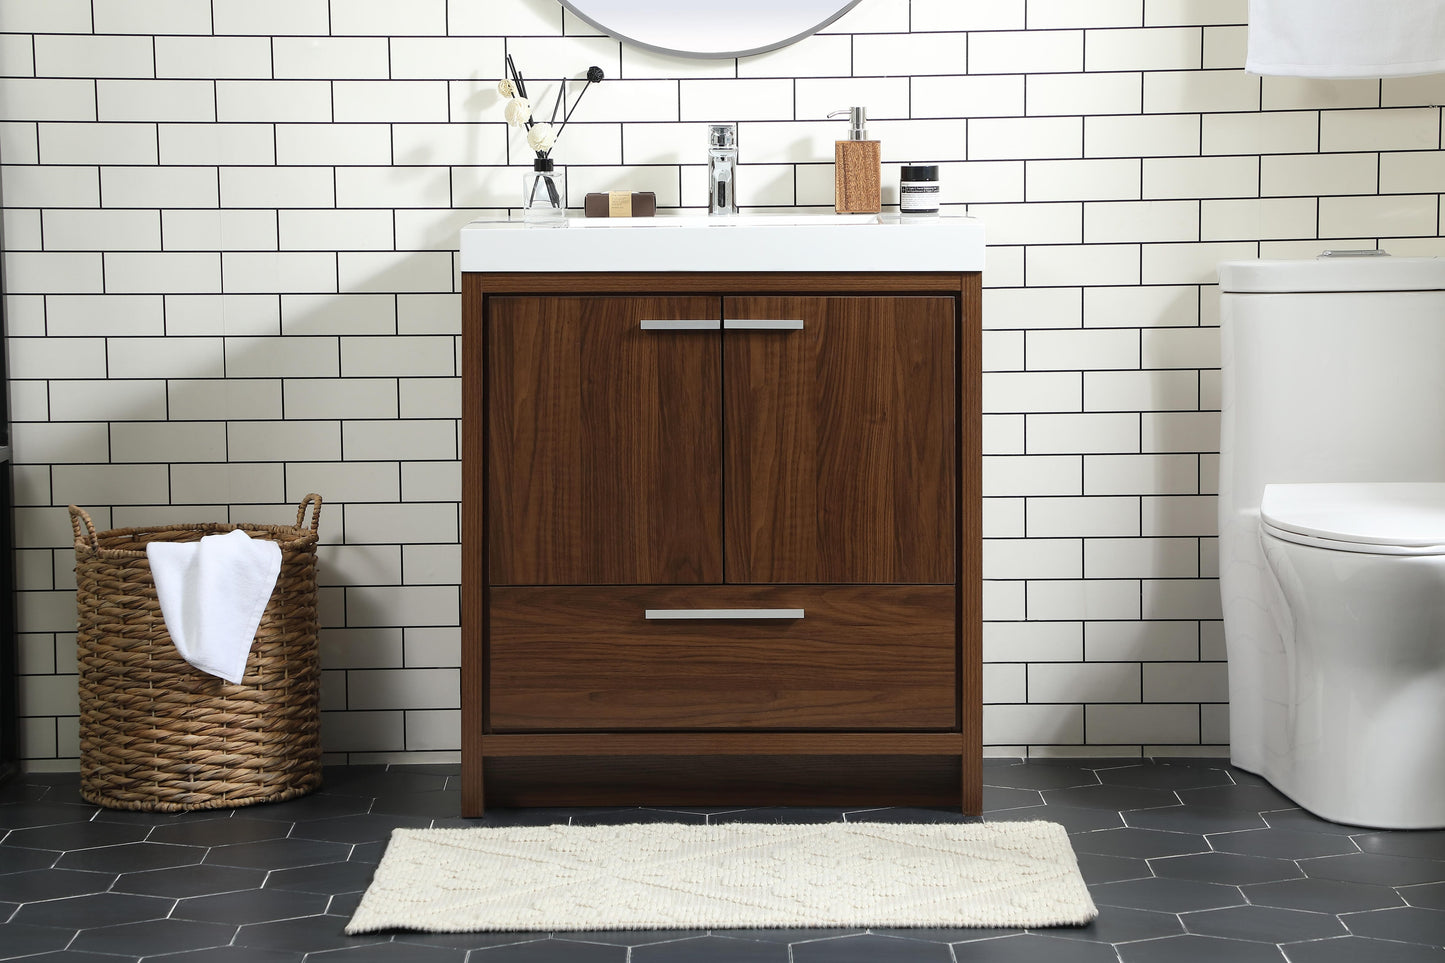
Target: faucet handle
[(722, 135)]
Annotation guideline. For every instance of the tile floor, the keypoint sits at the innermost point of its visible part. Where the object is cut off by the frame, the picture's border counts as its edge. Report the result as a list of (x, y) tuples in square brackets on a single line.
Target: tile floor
[(1188, 860)]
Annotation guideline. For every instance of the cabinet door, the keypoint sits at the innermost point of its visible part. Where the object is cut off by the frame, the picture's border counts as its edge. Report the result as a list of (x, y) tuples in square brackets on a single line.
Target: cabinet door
[(840, 439), (603, 441)]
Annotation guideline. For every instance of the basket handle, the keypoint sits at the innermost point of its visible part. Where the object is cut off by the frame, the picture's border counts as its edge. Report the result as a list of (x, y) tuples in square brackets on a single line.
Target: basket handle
[(77, 516), (313, 500)]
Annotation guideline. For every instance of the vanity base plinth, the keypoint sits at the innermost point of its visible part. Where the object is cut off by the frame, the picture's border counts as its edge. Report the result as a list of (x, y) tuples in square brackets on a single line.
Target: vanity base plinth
[(724, 769), (772, 780)]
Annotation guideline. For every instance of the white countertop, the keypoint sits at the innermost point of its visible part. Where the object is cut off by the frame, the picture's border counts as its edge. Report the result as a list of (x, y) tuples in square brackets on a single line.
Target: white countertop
[(746, 242)]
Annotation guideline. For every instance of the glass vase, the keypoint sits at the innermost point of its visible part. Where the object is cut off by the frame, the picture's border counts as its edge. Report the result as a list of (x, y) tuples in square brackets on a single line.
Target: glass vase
[(544, 198)]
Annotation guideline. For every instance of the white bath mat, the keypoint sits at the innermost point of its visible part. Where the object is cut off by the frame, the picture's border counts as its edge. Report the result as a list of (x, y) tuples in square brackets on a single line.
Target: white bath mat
[(669, 876)]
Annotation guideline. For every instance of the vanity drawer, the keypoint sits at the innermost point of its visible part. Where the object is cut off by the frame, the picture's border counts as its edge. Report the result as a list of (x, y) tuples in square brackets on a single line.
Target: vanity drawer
[(722, 656)]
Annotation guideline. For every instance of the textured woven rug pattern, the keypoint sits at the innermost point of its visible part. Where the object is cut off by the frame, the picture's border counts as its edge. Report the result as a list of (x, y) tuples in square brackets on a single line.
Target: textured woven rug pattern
[(669, 876)]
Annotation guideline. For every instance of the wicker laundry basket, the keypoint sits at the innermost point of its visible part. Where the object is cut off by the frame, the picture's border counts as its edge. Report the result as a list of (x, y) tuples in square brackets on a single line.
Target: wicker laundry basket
[(157, 733)]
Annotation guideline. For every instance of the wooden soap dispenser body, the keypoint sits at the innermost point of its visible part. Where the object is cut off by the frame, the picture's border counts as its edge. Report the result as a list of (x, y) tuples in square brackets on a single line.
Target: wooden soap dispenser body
[(857, 167)]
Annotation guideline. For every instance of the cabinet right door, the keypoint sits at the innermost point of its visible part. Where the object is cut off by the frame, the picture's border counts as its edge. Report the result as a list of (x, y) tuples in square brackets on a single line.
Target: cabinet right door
[(839, 439)]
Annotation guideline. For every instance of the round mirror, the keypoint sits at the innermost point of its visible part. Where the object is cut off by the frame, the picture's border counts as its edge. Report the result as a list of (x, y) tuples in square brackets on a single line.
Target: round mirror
[(709, 28)]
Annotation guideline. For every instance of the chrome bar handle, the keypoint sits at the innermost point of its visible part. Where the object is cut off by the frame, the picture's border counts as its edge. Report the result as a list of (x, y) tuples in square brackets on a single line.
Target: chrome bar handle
[(761, 325), (680, 324), (731, 614)]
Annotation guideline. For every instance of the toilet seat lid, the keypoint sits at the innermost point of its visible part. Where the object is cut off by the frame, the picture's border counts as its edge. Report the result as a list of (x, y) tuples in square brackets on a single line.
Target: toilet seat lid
[(1408, 515)]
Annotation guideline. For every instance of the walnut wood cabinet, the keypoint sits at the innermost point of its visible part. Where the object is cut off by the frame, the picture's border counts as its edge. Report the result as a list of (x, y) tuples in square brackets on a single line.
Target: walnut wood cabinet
[(721, 539)]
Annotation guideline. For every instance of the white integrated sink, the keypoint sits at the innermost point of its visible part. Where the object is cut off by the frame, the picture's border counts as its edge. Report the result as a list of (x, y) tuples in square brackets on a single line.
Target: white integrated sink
[(735, 220), (745, 242)]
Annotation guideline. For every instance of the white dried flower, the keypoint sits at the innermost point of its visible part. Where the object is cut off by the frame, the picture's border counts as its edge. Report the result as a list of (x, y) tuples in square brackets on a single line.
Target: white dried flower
[(506, 88), (541, 137), (518, 111)]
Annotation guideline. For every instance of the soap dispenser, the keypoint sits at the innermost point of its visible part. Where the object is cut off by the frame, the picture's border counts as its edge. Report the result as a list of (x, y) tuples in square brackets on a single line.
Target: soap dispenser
[(857, 167)]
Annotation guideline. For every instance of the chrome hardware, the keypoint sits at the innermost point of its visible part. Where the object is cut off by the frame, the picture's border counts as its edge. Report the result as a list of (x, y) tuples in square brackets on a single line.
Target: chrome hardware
[(1361, 252), (729, 614), (679, 325), (722, 163), (761, 325)]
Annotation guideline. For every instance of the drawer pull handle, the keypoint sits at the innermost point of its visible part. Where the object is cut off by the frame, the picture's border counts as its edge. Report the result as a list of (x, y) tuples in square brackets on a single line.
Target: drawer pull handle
[(761, 325), (734, 614), (680, 324)]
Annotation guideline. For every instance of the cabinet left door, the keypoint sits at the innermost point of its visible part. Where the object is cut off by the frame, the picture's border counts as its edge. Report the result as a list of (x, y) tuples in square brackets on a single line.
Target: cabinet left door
[(604, 440)]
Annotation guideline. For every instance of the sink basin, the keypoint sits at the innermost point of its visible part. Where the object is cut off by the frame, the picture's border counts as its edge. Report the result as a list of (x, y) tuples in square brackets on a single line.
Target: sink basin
[(736, 220), (746, 242)]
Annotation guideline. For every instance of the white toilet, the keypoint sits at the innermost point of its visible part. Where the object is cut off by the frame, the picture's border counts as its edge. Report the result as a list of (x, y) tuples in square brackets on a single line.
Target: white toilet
[(1332, 532)]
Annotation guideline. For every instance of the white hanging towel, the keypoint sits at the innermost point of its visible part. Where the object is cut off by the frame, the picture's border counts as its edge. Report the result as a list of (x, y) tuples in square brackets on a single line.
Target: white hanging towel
[(213, 593), (1346, 38)]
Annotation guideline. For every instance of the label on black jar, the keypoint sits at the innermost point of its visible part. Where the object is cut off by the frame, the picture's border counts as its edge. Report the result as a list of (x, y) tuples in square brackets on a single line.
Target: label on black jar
[(918, 197)]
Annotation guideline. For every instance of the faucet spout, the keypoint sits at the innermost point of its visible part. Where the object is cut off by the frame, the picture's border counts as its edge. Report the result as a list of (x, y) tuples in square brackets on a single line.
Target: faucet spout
[(722, 161)]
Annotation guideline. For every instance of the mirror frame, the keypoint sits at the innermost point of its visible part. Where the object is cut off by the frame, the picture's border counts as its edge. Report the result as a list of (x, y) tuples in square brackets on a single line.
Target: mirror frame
[(843, 7)]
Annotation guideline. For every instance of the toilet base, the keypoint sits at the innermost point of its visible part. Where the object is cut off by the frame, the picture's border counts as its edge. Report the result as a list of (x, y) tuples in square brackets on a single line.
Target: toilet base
[(1363, 706)]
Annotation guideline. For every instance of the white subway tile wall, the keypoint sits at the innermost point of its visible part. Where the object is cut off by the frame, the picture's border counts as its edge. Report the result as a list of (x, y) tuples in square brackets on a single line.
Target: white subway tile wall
[(230, 261)]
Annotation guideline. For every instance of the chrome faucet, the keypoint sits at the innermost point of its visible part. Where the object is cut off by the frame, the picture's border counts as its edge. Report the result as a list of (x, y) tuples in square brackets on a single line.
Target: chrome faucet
[(722, 164)]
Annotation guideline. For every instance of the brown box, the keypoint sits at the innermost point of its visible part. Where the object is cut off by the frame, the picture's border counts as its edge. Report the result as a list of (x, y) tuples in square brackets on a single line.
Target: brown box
[(621, 204)]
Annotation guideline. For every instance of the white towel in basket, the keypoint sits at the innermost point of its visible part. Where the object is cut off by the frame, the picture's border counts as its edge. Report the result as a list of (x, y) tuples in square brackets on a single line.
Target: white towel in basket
[(212, 594)]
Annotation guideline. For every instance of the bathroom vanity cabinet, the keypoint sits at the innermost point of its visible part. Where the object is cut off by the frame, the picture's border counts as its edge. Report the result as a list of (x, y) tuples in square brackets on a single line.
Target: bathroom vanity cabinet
[(721, 539)]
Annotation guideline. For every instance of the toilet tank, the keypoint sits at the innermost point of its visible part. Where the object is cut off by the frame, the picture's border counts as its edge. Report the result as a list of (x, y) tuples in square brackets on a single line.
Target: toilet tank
[(1333, 371)]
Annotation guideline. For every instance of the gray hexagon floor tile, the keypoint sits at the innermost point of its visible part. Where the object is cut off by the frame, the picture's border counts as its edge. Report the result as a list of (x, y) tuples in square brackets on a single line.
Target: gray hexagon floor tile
[(98, 909), (550, 951), (218, 832), (221, 954), (1256, 798), (131, 857), (1281, 843), (26, 815), (21, 940), (1111, 869), (1167, 895), (361, 828), (1226, 868), (869, 948), (1116, 924), (1031, 947), (51, 884), (997, 798), (1139, 843), (279, 881), (67, 836), (711, 949), (389, 953), (1299, 820), (1355, 949), (1111, 797), (1426, 895), (278, 854), (1428, 845), (154, 937), (1199, 949), (1073, 819), (250, 906), (1165, 777), (1322, 895), (1020, 776), (1195, 819), (1375, 868), (1409, 924), (1263, 924), (190, 881)]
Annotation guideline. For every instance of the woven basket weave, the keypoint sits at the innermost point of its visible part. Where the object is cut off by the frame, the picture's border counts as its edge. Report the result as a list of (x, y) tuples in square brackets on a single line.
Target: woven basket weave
[(158, 734)]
